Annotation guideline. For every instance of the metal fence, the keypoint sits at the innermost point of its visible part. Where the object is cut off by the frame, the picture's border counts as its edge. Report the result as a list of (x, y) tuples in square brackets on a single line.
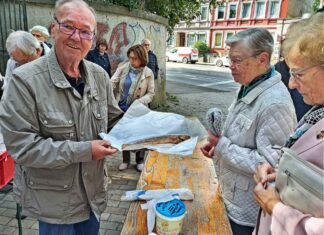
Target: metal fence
[(13, 16)]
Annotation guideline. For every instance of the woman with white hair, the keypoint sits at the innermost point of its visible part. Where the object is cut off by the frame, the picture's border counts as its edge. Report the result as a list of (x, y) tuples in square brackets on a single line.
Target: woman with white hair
[(22, 48), (41, 33), (261, 116)]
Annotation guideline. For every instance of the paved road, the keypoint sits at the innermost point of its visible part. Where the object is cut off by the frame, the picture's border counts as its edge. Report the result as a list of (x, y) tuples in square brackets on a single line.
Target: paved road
[(201, 75)]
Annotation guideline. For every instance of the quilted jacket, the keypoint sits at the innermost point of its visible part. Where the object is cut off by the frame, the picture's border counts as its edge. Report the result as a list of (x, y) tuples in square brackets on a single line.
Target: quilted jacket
[(256, 122)]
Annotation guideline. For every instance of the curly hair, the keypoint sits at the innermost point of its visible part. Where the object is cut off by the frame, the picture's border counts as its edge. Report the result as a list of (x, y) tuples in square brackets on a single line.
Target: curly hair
[(310, 42)]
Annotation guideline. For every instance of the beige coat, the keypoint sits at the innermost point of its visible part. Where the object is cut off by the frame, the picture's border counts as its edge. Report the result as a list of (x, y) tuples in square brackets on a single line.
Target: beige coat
[(47, 128), (143, 90)]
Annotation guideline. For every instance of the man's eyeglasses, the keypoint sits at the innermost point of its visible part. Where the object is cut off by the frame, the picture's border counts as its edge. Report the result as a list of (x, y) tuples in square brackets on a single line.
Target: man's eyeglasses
[(238, 61), (298, 74), (70, 30)]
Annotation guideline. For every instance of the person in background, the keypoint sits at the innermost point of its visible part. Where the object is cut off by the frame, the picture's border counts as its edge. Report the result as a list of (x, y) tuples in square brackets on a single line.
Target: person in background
[(300, 106), (1, 84), (22, 48), (260, 117), (305, 57), (51, 116), (152, 60), (41, 33), (133, 80), (100, 56)]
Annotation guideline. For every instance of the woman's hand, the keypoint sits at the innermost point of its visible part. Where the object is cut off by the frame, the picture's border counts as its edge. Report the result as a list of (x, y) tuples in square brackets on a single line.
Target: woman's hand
[(264, 173), (209, 148), (267, 198)]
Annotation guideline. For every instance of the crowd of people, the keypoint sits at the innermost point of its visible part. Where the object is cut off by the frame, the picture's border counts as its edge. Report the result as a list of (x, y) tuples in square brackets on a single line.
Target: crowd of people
[(58, 98)]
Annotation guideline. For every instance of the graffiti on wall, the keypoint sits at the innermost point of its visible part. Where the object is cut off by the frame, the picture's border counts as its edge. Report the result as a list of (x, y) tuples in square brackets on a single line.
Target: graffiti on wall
[(122, 36)]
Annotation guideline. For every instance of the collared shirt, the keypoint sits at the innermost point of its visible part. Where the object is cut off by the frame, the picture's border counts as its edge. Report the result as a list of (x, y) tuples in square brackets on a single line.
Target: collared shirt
[(76, 83), (246, 89)]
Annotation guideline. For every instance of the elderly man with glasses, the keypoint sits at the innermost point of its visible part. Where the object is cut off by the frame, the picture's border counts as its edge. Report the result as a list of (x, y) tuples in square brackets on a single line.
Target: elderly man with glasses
[(261, 116), (51, 119)]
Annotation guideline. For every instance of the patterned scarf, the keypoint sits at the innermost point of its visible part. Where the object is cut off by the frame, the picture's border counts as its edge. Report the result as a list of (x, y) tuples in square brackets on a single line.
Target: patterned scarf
[(138, 72), (310, 119)]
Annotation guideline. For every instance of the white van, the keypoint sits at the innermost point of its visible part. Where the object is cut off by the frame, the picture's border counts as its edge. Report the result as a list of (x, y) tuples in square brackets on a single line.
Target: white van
[(182, 54)]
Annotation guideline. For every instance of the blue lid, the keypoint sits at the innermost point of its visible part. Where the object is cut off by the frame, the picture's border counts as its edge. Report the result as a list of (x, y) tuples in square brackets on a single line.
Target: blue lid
[(173, 208)]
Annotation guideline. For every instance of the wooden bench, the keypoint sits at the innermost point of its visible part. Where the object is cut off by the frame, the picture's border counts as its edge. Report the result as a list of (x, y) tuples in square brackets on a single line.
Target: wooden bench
[(206, 214)]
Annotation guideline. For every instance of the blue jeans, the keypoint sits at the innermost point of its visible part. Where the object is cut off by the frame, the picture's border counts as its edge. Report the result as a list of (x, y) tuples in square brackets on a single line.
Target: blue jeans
[(87, 227)]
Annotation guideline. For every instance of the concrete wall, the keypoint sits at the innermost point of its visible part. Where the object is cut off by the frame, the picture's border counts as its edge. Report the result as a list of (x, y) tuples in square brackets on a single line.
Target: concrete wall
[(121, 28)]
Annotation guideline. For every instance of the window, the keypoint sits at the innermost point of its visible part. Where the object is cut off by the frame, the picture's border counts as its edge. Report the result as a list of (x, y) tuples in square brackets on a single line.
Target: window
[(191, 40), (232, 11), (220, 14), (274, 9), (229, 34), (246, 8), (218, 39), (204, 13), (202, 37), (259, 11)]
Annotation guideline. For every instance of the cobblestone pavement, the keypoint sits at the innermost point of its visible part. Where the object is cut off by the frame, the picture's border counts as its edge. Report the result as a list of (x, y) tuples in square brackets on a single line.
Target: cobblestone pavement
[(194, 103)]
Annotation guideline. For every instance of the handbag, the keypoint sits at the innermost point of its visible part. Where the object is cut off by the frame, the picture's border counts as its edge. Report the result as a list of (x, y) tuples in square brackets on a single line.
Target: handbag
[(300, 184)]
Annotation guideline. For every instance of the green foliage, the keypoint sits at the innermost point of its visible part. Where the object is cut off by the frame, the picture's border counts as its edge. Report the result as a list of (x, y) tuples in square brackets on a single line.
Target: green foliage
[(172, 98), (202, 47), (315, 5), (173, 10)]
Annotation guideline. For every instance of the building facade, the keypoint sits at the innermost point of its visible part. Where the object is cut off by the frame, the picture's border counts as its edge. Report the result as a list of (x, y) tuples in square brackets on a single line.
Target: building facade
[(198, 30), (215, 25)]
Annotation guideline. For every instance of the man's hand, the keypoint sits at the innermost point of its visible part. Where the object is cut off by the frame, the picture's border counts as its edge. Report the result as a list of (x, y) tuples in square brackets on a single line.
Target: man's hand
[(267, 198), (101, 148), (264, 173)]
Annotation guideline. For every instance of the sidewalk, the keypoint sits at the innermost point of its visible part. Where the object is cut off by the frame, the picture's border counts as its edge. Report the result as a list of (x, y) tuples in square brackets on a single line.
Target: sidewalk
[(195, 103), (112, 219)]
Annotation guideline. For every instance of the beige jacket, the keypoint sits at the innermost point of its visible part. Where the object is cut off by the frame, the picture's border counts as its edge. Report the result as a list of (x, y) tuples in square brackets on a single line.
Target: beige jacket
[(47, 128), (143, 90)]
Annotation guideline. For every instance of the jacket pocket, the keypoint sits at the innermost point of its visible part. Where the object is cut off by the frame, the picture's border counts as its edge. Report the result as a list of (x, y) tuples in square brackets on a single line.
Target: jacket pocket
[(235, 186), (242, 123), (100, 116), (57, 125), (51, 179)]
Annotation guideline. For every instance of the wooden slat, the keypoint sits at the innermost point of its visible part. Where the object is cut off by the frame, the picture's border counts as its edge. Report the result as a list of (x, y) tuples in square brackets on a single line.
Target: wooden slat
[(205, 214)]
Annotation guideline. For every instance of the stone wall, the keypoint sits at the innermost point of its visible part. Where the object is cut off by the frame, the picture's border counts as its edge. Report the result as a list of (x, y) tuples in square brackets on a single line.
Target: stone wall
[(121, 28)]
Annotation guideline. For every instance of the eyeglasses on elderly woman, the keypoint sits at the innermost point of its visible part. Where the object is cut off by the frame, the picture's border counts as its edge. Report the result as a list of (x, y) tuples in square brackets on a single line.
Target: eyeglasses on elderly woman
[(298, 74), (238, 61)]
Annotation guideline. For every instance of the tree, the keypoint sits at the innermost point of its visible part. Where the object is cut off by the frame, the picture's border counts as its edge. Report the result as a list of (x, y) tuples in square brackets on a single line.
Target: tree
[(202, 47), (173, 10)]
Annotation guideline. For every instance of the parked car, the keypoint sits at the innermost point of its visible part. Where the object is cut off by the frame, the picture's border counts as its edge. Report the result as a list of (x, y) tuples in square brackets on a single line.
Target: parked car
[(222, 61), (182, 54)]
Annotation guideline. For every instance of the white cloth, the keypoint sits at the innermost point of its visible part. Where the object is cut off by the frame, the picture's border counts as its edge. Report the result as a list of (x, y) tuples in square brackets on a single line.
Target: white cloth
[(139, 123)]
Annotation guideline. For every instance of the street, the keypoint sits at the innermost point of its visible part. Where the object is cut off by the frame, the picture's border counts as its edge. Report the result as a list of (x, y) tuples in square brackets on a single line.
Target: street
[(201, 75)]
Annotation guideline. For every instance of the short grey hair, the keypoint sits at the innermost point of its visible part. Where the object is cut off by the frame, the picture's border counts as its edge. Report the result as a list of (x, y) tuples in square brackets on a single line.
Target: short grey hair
[(60, 3), (40, 29), (146, 40), (22, 40), (256, 40)]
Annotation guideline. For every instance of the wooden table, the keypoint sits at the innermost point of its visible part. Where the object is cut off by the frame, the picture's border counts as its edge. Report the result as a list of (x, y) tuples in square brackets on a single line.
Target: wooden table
[(205, 214)]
